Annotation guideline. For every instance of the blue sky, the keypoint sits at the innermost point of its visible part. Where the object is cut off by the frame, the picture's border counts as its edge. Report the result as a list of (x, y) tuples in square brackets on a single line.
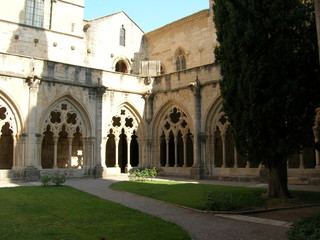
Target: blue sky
[(148, 14)]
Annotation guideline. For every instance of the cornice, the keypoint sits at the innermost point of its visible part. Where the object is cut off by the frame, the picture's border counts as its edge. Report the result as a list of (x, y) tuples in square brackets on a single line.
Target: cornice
[(165, 28)]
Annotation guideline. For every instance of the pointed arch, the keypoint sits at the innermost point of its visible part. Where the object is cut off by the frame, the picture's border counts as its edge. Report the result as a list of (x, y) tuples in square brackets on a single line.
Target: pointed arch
[(121, 64), (173, 130), (180, 59), (161, 114), (11, 127), (66, 135), (125, 130)]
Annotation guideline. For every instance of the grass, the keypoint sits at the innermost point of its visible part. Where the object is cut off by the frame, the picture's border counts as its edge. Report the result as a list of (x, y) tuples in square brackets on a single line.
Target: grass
[(195, 195), (51, 213)]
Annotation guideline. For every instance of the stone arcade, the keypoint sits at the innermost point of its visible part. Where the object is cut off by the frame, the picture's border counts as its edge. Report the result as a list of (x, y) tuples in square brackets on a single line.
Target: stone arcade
[(98, 97)]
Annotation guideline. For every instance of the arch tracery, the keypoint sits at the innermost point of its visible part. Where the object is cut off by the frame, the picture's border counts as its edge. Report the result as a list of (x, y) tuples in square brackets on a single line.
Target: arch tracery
[(65, 140), (176, 141)]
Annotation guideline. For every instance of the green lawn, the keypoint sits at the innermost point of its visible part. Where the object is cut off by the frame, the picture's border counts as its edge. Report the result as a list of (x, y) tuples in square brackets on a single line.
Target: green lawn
[(50, 213), (195, 195)]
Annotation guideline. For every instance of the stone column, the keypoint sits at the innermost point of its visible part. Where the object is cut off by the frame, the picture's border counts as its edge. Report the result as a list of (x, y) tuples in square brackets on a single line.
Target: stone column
[(116, 139), (176, 150), (104, 151), (55, 152), (185, 139), (235, 157), (213, 151), (70, 139), (31, 124), (224, 158), (198, 168), (167, 150), (97, 158), (15, 156), (128, 153)]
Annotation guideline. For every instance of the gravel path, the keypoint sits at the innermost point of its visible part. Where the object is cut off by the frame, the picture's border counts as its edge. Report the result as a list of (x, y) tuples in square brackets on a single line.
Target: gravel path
[(201, 226)]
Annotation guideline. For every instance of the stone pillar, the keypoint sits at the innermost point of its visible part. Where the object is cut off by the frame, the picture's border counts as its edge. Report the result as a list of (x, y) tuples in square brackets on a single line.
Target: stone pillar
[(15, 156), (185, 139), (235, 157), (167, 150), (213, 151), (31, 124), (103, 151), (116, 139), (198, 168), (224, 158), (70, 139), (176, 150), (97, 158), (55, 152), (128, 153)]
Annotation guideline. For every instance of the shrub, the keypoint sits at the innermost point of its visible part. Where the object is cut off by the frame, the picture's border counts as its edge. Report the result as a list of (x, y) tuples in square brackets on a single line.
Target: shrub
[(307, 228), (45, 180), (57, 178), (221, 201), (142, 175)]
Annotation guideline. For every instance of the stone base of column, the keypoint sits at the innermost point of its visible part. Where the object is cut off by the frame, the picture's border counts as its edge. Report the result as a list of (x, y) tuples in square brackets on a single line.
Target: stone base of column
[(32, 174), (98, 172), (198, 172)]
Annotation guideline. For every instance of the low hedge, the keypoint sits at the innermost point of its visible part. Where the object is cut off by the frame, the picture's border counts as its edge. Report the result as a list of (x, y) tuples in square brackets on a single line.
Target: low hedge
[(307, 228)]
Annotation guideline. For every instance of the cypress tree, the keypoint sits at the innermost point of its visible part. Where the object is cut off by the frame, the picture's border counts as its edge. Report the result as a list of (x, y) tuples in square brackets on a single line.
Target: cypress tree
[(269, 66)]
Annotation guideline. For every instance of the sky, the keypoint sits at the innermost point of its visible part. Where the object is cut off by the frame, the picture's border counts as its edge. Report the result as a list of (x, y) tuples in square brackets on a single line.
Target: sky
[(147, 14)]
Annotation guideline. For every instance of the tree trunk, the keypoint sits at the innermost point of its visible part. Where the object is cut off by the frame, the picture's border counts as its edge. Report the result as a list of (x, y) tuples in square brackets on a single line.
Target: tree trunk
[(278, 178)]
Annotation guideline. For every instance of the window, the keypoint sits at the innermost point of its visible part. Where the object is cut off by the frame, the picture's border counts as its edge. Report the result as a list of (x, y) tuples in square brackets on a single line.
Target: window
[(34, 13), (122, 36), (121, 67), (180, 61)]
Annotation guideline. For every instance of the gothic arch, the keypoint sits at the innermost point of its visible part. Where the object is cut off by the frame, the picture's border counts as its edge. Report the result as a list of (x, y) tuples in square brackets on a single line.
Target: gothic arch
[(219, 148), (11, 139), (180, 58), (123, 138), (66, 135), (161, 113), (123, 60), (173, 130)]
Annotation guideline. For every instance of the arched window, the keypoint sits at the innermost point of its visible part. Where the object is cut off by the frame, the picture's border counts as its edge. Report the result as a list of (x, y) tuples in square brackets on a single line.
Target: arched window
[(176, 145), (121, 67), (122, 147), (34, 13), (122, 36), (180, 60)]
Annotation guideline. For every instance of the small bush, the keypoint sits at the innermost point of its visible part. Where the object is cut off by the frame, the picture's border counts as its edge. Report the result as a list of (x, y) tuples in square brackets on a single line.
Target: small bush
[(142, 175), (221, 201), (45, 180), (57, 179), (307, 228)]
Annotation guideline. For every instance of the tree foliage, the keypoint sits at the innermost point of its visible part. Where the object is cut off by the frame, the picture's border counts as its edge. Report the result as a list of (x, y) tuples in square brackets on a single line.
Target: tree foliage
[(269, 66)]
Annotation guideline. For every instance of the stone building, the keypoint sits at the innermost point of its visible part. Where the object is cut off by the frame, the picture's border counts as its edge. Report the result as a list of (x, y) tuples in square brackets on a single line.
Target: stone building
[(99, 97)]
